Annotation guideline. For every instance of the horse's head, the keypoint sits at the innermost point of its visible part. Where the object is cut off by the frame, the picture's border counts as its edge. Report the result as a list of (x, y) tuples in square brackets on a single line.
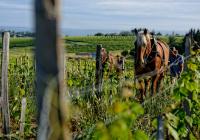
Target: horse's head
[(143, 40)]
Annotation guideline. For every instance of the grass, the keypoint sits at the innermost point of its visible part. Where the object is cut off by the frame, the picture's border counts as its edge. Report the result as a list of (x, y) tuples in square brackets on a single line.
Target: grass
[(18, 51), (81, 76), (87, 43), (20, 42)]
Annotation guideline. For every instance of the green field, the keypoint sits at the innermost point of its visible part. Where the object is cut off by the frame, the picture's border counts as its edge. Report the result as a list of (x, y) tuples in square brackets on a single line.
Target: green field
[(89, 43), (118, 115), (20, 42)]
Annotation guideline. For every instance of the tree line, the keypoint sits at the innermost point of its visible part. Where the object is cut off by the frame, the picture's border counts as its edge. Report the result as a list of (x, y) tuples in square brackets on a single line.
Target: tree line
[(18, 34)]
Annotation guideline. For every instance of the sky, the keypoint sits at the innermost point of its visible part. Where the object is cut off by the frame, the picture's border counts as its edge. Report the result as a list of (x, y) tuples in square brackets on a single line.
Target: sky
[(160, 15)]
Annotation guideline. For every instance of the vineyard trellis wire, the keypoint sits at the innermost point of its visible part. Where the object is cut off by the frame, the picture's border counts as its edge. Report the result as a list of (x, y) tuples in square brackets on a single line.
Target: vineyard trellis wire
[(89, 87), (51, 16), (153, 72)]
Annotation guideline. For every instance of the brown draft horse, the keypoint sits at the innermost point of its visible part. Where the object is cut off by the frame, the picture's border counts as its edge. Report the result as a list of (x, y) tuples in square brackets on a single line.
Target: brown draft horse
[(151, 59), (115, 62)]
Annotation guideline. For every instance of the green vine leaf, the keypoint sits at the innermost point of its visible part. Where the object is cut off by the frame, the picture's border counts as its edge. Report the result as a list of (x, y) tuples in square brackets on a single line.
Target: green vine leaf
[(173, 132)]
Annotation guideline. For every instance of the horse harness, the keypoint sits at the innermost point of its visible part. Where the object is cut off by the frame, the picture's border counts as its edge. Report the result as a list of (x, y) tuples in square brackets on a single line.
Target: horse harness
[(154, 52)]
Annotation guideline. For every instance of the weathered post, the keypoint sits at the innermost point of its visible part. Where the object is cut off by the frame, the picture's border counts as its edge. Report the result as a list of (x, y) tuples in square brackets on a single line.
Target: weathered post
[(188, 45), (4, 84), (22, 118), (160, 128), (99, 74), (1, 101), (50, 72)]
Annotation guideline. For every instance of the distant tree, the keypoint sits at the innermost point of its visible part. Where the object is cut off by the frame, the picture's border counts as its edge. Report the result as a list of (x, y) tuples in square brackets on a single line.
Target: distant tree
[(125, 33), (133, 31), (111, 34), (99, 34), (153, 32), (159, 34), (172, 41), (196, 36)]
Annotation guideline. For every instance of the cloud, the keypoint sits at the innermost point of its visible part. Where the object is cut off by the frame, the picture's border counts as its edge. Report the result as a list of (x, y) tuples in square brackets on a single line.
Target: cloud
[(111, 14), (16, 4), (15, 7), (124, 14), (16, 13)]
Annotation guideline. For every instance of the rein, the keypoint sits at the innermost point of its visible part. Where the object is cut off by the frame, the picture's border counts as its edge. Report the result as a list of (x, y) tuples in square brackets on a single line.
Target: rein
[(151, 46)]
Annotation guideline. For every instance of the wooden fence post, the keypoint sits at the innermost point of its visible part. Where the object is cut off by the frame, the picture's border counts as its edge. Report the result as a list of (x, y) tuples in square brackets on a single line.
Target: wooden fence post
[(1, 102), (99, 74), (50, 72), (188, 45), (4, 84), (22, 118), (160, 128)]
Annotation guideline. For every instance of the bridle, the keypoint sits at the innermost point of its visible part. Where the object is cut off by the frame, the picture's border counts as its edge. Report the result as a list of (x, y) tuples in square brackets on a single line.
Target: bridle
[(146, 51)]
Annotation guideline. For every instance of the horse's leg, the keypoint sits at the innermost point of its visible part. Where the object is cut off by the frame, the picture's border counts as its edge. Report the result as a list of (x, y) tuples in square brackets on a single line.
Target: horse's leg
[(160, 82), (158, 63), (142, 90), (154, 84), (147, 86)]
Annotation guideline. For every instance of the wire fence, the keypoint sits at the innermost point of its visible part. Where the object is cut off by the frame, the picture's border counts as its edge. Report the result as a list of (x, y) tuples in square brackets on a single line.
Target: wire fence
[(90, 89), (148, 102), (151, 73), (82, 91)]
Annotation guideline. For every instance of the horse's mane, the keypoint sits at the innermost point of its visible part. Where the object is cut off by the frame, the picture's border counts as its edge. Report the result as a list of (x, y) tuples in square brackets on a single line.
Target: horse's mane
[(140, 38)]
